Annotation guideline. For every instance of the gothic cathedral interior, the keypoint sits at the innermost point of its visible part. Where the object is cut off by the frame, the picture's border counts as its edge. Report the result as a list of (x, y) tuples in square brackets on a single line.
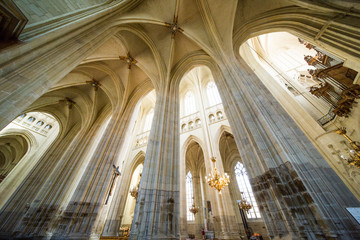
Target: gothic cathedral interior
[(180, 119)]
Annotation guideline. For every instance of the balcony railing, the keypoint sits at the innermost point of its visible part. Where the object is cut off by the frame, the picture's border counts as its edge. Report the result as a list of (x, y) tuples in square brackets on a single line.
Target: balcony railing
[(142, 139), (215, 113), (327, 117), (190, 122)]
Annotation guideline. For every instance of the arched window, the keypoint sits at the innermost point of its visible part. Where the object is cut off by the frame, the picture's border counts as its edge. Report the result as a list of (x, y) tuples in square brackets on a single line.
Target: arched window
[(211, 117), (213, 94), (197, 122), (183, 127), (189, 196), (148, 120), (40, 123), (31, 119), (48, 126), (189, 103), (247, 192)]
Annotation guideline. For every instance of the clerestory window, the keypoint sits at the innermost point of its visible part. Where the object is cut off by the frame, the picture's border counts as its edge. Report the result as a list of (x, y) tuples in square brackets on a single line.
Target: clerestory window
[(189, 103), (213, 94)]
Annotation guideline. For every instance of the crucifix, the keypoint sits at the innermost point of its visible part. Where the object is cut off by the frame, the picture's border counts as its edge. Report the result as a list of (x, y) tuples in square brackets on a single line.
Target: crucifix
[(128, 59), (174, 27), (95, 84), (116, 173)]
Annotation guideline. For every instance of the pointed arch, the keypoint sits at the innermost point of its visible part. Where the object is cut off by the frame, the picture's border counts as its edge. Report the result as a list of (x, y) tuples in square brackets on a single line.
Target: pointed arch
[(192, 60), (278, 20), (137, 160), (188, 141), (221, 130)]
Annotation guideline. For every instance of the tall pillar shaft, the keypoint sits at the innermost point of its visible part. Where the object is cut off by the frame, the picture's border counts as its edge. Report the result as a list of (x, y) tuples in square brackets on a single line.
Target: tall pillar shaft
[(157, 209), (18, 204), (84, 209), (46, 208), (199, 217), (292, 182)]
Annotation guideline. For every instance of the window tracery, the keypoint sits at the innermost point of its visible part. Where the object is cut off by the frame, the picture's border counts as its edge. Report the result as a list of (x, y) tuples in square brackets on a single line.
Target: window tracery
[(189, 103), (213, 94)]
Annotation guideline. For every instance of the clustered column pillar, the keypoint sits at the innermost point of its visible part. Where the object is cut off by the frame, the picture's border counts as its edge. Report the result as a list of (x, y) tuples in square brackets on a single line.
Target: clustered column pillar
[(298, 192), (157, 209), (83, 211), (13, 212), (199, 217)]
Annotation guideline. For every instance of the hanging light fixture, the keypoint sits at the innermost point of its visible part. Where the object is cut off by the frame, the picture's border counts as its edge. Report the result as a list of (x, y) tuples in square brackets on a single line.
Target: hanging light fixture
[(215, 180), (135, 190), (244, 205), (353, 157), (194, 210)]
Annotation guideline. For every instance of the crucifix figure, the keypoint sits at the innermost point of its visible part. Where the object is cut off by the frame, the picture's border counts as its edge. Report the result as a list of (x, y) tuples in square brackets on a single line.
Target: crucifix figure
[(116, 173), (174, 27), (128, 59), (95, 84)]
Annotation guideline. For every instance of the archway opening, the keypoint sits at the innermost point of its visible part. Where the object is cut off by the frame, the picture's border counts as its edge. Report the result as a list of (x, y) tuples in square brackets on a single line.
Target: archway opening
[(195, 191), (132, 198), (26, 137)]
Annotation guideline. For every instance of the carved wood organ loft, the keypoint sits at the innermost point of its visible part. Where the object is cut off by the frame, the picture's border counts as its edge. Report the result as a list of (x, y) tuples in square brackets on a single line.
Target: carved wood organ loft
[(336, 85)]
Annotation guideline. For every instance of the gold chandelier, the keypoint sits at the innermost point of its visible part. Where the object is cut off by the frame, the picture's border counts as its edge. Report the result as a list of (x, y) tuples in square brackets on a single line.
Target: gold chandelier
[(244, 205), (194, 210), (215, 180), (353, 157), (135, 190)]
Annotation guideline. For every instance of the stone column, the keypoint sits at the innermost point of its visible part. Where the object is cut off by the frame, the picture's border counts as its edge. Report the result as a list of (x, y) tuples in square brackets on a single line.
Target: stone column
[(46, 208), (117, 207), (83, 215), (199, 217), (18, 204), (183, 205), (298, 192), (157, 209), (114, 219)]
